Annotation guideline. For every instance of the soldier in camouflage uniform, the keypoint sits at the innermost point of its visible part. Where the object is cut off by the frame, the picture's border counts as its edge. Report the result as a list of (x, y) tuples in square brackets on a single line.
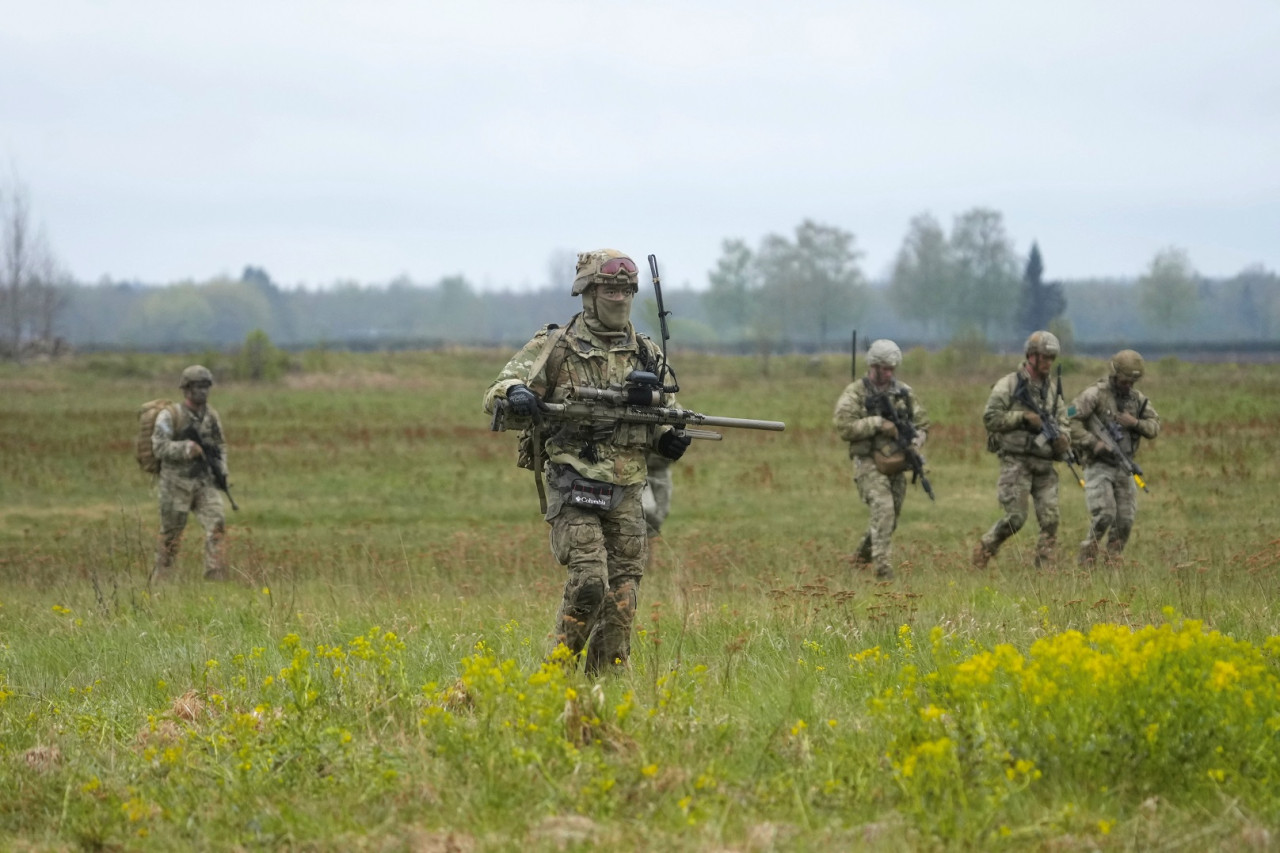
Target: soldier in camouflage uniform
[(602, 540), (186, 482), (1112, 405), (656, 497), (878, 464), (1026, 458)]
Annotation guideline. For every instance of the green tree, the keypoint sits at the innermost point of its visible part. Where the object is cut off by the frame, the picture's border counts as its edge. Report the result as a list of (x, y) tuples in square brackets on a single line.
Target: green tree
[(985, 291), (1259, 300), (259, 359), (1167, 292), (923, 274), (814, 284), (1042, 302), (734, 283), (174, 315)]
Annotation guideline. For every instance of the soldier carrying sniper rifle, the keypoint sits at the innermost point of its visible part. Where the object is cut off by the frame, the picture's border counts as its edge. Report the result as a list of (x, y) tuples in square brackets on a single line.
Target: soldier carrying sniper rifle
[(594, 397)]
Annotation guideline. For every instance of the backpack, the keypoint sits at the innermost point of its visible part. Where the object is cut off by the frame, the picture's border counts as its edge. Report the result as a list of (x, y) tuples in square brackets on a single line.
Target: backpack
[(147, 414)]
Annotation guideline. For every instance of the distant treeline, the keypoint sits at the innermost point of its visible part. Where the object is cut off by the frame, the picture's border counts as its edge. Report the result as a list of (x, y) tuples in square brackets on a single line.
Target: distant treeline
[(1242, 311)]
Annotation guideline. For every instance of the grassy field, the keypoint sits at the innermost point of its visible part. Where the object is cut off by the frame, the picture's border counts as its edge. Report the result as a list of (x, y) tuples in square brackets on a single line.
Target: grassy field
[(374, 677)]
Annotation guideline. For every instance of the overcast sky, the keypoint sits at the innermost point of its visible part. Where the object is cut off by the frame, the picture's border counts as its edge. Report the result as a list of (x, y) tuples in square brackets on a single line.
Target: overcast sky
[(162, 141)]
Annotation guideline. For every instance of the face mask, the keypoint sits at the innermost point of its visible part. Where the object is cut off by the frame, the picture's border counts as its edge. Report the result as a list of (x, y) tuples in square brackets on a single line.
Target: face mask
[(612, 314)]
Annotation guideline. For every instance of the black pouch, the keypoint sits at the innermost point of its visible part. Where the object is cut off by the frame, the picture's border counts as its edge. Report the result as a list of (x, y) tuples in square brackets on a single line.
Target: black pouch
[(589, 494)]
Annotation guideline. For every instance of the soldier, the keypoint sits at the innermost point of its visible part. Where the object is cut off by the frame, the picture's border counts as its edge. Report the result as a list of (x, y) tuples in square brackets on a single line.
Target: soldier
[(595, 478), (879, 462), (1014, 433), (656, 497), (186, 480), (1113, 407)]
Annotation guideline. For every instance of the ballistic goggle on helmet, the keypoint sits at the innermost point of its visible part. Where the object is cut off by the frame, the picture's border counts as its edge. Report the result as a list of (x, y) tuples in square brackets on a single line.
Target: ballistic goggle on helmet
[(604, 266)]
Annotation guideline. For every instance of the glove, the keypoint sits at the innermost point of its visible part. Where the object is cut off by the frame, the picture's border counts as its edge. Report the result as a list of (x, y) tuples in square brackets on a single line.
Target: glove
[(887, 428), (1061, 445), (673, 443), (521, 400), (194, 451), (1126, 420), (1033, 421)]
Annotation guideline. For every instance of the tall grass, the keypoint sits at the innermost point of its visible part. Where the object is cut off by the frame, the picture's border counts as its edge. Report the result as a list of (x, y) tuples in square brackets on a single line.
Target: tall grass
[(376, 675)]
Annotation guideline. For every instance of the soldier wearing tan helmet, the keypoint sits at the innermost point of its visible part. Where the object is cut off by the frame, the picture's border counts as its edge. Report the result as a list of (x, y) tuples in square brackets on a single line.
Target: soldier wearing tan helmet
[(1014, 434), (594, 480), (186, 481), (879, 465), (1113, 407)]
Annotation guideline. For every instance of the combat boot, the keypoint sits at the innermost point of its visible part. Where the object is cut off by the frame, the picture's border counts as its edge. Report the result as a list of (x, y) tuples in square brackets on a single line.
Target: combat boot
[(981, 556), (1045, 553), (1088, 553)]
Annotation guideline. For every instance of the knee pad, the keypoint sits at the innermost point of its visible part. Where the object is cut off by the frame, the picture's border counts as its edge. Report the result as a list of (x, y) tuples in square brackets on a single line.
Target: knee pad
[(584, 596)]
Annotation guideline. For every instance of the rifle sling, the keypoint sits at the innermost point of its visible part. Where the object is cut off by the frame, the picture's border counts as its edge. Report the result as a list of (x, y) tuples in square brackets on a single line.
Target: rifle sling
[(552, 358)]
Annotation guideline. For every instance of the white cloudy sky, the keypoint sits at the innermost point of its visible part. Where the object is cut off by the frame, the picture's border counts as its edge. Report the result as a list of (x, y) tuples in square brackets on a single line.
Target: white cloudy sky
[(329, 140)]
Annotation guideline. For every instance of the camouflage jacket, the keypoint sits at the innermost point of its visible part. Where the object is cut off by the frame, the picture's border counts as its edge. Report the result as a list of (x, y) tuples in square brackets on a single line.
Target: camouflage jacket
[(1007, 431), (614, 456), (862, 430), (174, 463), (1096, 407)]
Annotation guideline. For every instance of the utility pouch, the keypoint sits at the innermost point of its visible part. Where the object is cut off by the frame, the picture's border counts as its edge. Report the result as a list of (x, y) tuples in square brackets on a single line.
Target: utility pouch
[(524, 450), (589, 494), (889, 460)]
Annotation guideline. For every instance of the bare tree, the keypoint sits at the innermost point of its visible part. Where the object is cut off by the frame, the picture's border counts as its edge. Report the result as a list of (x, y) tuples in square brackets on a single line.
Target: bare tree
[(28, 273)]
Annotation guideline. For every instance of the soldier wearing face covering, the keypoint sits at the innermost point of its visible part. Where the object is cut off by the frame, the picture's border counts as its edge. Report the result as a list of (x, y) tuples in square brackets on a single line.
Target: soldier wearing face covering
[(594, 476)]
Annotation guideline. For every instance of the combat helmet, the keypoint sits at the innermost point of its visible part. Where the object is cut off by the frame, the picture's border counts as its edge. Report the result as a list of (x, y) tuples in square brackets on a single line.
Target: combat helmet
[(884, 352), (1127, 365), (196, 373), (604, 266), (1043, 343)]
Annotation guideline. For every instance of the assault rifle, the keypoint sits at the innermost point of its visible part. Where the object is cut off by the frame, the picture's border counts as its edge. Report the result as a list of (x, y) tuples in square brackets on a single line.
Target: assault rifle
[(211, 454), (1109, 433), (1049, 429), (881, 403)]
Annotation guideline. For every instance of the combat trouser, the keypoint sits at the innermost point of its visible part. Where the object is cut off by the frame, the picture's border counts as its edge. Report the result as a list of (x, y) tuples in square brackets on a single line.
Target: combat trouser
[(883, 496), (178, 499), (1112, 498), (1022, 478), (604, 553)]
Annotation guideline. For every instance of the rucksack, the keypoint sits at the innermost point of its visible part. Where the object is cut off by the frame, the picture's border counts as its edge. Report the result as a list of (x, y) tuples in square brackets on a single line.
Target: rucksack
[(147, 414)]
